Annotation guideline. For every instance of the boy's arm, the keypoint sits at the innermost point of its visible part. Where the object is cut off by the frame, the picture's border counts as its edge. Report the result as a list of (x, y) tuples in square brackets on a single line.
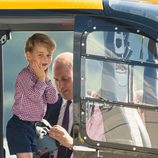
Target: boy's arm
[(33, 90), (51, 93)]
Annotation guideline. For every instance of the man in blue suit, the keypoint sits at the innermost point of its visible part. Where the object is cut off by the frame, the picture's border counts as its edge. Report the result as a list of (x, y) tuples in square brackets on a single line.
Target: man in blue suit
[(63, 77)]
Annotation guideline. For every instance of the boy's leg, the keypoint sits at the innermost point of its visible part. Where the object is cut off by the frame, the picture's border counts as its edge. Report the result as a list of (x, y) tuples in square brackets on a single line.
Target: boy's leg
[(21, 137)]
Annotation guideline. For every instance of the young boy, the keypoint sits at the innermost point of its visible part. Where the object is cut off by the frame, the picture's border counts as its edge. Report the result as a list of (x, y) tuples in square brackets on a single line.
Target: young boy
[(33, 90)]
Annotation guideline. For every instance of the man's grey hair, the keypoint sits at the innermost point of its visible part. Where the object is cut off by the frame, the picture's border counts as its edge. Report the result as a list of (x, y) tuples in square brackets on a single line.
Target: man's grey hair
[(65, 58)]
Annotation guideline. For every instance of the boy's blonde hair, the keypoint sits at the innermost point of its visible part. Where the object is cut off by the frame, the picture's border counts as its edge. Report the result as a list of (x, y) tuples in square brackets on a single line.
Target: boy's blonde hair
[(40, 39)]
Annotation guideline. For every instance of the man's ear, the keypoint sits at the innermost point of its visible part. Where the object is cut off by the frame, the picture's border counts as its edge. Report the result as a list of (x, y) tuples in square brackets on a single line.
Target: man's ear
[(28, 55)]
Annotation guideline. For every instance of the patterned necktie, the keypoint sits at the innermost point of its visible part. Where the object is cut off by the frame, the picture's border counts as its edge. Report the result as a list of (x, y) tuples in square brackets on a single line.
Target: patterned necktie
[(65, 124)]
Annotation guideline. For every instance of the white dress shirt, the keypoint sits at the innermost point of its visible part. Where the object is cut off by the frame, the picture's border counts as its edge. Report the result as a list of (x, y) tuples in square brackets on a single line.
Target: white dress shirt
[(60, 118)]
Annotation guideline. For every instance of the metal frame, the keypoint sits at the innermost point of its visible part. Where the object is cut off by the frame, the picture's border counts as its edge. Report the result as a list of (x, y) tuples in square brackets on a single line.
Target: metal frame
[(90, 24), (29, 20), (2, 41)]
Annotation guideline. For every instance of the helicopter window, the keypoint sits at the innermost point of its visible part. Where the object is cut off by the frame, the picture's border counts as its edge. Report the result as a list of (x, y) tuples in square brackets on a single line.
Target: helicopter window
[(122, 46), (148, 9), (119, 82), (119, 97), (122, 125), (119, 85), (127, 60)]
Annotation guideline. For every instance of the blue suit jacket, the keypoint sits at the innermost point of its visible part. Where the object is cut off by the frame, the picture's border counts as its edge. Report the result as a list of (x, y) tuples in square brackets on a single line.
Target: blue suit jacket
[(52, 115)]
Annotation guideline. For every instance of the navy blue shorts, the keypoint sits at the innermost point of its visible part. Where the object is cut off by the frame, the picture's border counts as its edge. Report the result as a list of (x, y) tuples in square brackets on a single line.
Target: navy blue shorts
[(21, 136)]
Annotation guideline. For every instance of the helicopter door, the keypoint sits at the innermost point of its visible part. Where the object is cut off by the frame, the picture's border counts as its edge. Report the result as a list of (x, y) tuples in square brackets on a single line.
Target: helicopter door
[(110, 63)]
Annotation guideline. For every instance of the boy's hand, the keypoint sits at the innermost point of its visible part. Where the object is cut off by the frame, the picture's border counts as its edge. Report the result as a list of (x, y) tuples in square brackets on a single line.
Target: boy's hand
[(39, 72), (46, 75)]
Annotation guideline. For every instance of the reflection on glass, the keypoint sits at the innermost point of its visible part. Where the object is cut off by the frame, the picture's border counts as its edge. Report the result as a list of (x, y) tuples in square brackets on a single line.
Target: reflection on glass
[(95, 124), (121, 125), (114, 82), (121, 45), (148, 9), (150, 86), (145, 87), (133, 83), (120, 82)]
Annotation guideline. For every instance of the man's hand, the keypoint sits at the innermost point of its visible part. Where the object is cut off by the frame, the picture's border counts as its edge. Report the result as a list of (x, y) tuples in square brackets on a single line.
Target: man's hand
[(61, 135)]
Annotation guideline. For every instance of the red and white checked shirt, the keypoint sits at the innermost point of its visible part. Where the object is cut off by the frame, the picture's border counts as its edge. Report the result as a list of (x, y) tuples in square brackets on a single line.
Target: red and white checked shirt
[(31, 96)]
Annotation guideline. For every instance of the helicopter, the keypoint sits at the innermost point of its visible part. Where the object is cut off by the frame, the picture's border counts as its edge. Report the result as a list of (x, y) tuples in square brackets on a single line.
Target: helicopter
[(115, 48)]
